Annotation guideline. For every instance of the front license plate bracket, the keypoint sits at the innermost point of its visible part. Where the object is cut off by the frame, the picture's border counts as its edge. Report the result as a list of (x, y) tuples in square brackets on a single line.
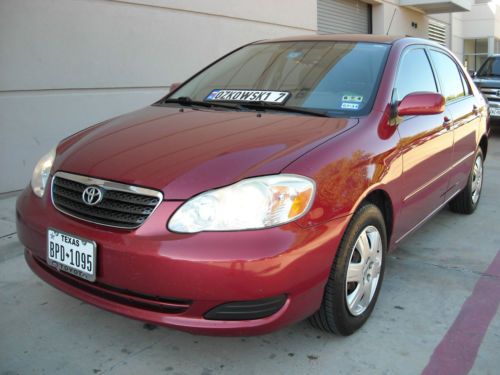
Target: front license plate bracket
[(71, 254)]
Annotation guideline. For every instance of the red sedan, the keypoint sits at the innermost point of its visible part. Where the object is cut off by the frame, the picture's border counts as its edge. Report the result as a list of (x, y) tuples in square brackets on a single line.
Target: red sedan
[(266, 189)]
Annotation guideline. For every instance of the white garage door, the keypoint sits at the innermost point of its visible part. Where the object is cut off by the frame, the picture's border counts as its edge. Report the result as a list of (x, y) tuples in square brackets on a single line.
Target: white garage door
[(344, 16)]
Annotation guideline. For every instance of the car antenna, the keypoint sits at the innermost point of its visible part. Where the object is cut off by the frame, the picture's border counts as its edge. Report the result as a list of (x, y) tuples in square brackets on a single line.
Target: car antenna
[(390, 23)]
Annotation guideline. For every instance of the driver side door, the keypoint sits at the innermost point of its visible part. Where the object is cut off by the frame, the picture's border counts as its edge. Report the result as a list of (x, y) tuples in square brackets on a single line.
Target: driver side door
[(426, 145)]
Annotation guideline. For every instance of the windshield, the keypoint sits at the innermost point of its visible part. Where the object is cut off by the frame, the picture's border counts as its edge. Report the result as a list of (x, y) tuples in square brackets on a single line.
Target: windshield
[(340, 78), (491, 67)]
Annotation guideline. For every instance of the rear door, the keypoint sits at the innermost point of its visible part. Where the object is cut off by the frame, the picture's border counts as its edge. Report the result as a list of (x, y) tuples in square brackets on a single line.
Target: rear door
[(426, 145), (464, 111)]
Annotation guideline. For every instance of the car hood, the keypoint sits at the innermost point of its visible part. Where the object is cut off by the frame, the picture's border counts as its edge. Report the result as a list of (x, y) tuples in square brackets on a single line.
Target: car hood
[(493, 82), (185, 152)]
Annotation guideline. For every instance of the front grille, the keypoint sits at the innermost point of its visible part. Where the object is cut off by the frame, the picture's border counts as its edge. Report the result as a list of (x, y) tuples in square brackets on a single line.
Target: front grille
[(122, 206), (491, 94), (121, 296)]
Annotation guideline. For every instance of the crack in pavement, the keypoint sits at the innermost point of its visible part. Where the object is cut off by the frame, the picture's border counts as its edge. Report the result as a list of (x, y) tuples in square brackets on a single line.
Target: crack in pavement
[(7, 235)]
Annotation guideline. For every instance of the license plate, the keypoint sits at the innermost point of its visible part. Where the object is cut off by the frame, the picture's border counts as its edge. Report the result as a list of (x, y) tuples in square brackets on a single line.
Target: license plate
[(71, 254), (494, 111)]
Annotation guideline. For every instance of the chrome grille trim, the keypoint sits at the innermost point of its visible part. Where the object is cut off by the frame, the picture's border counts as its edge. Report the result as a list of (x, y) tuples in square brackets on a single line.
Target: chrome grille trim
[(124, 206), (490, 93)]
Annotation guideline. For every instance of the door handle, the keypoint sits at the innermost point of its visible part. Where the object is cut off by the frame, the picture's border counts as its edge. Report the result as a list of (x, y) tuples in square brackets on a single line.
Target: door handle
[(475, 110), (447, 122)]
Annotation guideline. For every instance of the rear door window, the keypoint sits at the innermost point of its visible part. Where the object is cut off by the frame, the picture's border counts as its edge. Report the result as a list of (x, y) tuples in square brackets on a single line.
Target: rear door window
[(449, 76), (466, 85)]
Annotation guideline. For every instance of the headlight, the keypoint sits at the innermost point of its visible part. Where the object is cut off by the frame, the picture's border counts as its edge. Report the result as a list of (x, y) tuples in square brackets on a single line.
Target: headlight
[(253, 203), (41, 173)]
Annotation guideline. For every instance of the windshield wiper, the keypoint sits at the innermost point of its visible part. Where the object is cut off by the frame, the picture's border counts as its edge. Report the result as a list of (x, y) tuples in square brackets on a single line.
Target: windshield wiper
[(188, 102), (264, 105)]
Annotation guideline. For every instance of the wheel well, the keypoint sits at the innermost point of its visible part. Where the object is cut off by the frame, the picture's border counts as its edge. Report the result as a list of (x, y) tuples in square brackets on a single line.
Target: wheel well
[(382, 200), (484, 145)]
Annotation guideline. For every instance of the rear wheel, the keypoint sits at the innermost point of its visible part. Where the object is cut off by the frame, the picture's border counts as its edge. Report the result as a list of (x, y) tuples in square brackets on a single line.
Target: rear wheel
[(467, 200), (356, 275)]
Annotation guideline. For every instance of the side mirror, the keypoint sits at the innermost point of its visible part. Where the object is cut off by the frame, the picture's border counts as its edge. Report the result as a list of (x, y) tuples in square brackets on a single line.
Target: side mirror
[(421, 103), (174, 86)]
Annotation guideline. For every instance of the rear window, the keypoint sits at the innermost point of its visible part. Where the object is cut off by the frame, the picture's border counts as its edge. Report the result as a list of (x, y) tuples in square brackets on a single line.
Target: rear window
[(337, 77)]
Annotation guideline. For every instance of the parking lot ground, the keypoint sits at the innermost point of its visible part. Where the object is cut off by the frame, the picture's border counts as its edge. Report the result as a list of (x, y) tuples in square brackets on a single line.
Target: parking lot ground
[(438, 311)]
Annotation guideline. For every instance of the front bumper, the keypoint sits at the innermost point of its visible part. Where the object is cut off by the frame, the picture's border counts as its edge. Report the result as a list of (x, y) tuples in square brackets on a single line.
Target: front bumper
[(173, 280), (494, 109)]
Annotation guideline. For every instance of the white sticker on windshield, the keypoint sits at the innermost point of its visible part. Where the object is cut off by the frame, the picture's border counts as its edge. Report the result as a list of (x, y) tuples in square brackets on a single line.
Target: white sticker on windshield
[(248, 96), (349, 106)]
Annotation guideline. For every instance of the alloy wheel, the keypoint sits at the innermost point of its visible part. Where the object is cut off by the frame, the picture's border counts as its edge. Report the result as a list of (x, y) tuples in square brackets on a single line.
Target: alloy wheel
[(363, 271), (477, 179)]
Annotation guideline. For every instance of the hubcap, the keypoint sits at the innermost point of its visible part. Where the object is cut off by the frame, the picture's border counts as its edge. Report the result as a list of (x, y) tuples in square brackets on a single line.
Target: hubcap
[(363, 271), (477, 179)]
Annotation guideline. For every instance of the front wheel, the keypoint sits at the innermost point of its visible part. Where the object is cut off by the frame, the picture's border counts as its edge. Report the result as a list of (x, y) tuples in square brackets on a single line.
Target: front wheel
[(467, 200), (356, 275)]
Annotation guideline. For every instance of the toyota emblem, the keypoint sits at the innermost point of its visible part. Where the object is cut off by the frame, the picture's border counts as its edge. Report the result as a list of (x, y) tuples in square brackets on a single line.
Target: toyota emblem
[(92, 195)]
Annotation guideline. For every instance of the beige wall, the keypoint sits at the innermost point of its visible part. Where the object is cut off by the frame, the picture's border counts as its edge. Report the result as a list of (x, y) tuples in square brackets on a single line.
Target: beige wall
[(401, 24), (457, 39), (480, 22), (66, 64), (293, 13)]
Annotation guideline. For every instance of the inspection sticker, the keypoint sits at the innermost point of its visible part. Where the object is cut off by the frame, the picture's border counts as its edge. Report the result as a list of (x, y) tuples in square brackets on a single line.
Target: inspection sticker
[(248, 96), (349, 106), (352, 98)]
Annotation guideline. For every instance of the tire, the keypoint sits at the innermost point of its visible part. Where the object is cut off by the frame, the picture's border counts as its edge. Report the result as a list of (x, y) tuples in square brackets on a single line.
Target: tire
[(467, 200), (364, 243)]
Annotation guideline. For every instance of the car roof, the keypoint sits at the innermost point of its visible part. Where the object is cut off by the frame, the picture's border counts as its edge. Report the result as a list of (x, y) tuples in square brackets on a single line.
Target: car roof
[(387, 39)]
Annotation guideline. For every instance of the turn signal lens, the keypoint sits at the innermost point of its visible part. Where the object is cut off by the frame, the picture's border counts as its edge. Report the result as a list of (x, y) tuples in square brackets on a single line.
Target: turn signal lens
[(300, 203)]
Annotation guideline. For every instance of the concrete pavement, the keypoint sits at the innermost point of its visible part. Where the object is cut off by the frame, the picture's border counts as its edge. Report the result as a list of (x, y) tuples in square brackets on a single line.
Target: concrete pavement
[(436, 289)]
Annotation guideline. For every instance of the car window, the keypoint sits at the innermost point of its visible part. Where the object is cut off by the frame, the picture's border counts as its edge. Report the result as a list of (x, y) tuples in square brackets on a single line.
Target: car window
[(449, 77), (408, 80), (341, 77)]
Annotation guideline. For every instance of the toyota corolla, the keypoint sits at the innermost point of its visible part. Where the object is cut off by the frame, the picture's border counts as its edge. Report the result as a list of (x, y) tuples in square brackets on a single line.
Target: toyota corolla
[(266, 189)]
